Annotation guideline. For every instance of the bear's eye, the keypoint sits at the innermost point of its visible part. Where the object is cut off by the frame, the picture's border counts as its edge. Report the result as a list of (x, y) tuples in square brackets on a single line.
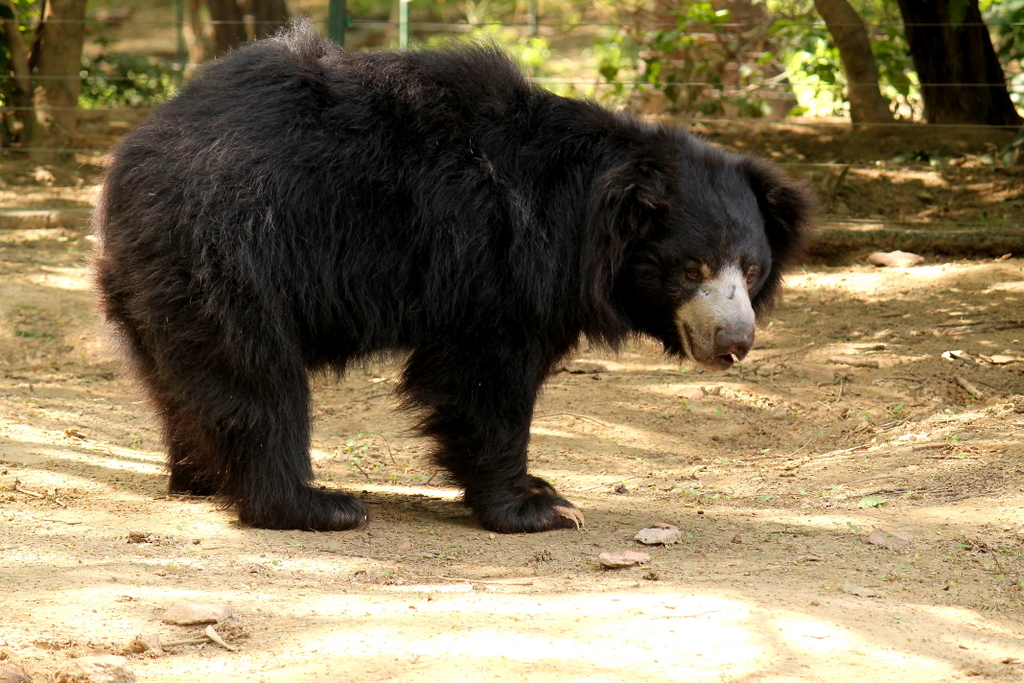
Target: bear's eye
[(693, 273), (751, 275)]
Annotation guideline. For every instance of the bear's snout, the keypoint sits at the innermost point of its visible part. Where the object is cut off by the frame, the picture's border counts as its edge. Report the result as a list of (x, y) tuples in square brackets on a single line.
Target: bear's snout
[(734, 340), (717, 324)]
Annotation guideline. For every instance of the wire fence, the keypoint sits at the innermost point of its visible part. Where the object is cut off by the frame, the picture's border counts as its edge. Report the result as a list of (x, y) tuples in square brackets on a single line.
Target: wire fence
[(169, 48)]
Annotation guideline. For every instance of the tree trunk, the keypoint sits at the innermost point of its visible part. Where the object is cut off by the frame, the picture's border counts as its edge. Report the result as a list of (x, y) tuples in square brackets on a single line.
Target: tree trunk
[(17, 121), (847, 28), (270, 15), (57, 58), (961, 79), (228, 26), (196, 38)]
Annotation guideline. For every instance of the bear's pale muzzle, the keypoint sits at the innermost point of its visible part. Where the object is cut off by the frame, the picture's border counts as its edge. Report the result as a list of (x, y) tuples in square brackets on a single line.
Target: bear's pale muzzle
[(717, 323)]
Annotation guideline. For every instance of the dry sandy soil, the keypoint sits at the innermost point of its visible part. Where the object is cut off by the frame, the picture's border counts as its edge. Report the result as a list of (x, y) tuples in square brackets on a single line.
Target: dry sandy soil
[(777, 473)]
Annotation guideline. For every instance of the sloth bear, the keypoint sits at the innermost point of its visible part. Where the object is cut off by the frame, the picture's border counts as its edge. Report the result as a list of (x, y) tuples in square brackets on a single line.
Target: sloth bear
[(296, 207)]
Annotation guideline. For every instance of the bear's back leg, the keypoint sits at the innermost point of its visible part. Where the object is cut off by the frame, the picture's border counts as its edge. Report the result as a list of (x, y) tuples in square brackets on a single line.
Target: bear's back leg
[(253, 436), (234, 428), (190, 459)]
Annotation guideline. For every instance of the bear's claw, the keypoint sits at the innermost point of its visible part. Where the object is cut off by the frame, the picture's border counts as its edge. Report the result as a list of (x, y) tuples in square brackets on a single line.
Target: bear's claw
[(572, 514)]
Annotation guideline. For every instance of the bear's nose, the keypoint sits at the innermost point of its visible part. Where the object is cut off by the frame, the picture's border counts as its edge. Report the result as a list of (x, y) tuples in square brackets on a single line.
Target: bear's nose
[(734, 340)]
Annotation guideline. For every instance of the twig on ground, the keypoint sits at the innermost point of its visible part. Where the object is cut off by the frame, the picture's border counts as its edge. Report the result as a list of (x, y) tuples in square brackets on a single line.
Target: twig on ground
[(581, 417), (843, 450), (967, 386), (785, 353), (611, 483), (854, 362), (21, 489), (931, 446), (362, 471), (486, 582), (215, 637), (387, 445)]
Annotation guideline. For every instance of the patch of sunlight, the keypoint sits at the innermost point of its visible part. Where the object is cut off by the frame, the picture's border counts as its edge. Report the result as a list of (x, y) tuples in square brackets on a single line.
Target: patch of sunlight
[(442, 494), (86, 451), (871, 284), (75, 279), (817, 637), (823, 642), (541, 431), (927, 178), (610, 631), (675, 390), (622, 434), (1006, 287)]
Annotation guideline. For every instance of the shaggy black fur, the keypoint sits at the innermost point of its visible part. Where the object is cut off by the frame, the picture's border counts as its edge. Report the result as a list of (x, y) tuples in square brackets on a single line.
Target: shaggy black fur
[(297, 206)]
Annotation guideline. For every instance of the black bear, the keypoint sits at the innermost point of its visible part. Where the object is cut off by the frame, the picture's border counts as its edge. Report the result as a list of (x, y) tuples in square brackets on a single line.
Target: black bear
[(297, 206)]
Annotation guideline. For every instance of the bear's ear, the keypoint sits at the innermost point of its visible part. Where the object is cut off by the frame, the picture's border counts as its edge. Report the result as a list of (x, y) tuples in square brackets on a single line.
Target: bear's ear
[(633, 195), (787, 207)]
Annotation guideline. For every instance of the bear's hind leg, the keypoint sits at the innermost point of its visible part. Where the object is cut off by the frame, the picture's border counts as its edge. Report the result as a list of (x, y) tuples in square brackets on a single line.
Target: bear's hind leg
[(478, 410), (249, 437), (189, 458)]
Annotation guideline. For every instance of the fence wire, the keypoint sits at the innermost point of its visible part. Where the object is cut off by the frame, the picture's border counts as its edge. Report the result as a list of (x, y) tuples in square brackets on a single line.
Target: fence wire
[(770, 88)]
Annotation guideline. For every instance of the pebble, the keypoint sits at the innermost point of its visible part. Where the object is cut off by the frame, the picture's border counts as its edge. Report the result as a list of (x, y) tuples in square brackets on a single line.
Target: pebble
[(659, 534), (191, 613), (894, 259), (12, 673), (623, 558)]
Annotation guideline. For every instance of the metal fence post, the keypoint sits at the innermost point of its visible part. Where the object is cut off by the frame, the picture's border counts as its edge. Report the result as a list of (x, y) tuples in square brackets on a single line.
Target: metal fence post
[(182, 56), (403, 24), (337, 21)]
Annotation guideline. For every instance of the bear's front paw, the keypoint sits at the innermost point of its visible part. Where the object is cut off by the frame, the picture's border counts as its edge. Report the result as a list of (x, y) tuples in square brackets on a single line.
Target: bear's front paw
[(528, 509), (307, 510)]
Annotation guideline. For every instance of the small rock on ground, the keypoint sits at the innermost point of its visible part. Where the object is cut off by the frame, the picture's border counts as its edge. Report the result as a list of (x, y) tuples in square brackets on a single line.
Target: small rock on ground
[(99, 669), (894, 259), (191, 613), (12, 673), (623, 558), (659, 534)]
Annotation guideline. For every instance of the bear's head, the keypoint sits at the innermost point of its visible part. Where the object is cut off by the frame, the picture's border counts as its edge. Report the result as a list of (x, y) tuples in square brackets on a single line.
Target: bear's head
[(706, 237)]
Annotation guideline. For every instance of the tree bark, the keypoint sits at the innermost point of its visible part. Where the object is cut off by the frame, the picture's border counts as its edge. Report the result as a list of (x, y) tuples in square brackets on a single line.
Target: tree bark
[(228, 26), (57, 61), (196, 38), (851, 37), (17, 116), (961, 79), (270, 15)]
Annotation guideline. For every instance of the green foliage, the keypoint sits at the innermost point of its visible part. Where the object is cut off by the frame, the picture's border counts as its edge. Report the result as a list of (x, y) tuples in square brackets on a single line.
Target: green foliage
[(812, 61), (531, 53), (125, 80), (688, 57), (27, 12), (1006, 21)]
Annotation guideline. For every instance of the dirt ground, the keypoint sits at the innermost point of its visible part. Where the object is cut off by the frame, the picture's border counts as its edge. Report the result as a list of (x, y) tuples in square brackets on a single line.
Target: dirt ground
[(876, 400)]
